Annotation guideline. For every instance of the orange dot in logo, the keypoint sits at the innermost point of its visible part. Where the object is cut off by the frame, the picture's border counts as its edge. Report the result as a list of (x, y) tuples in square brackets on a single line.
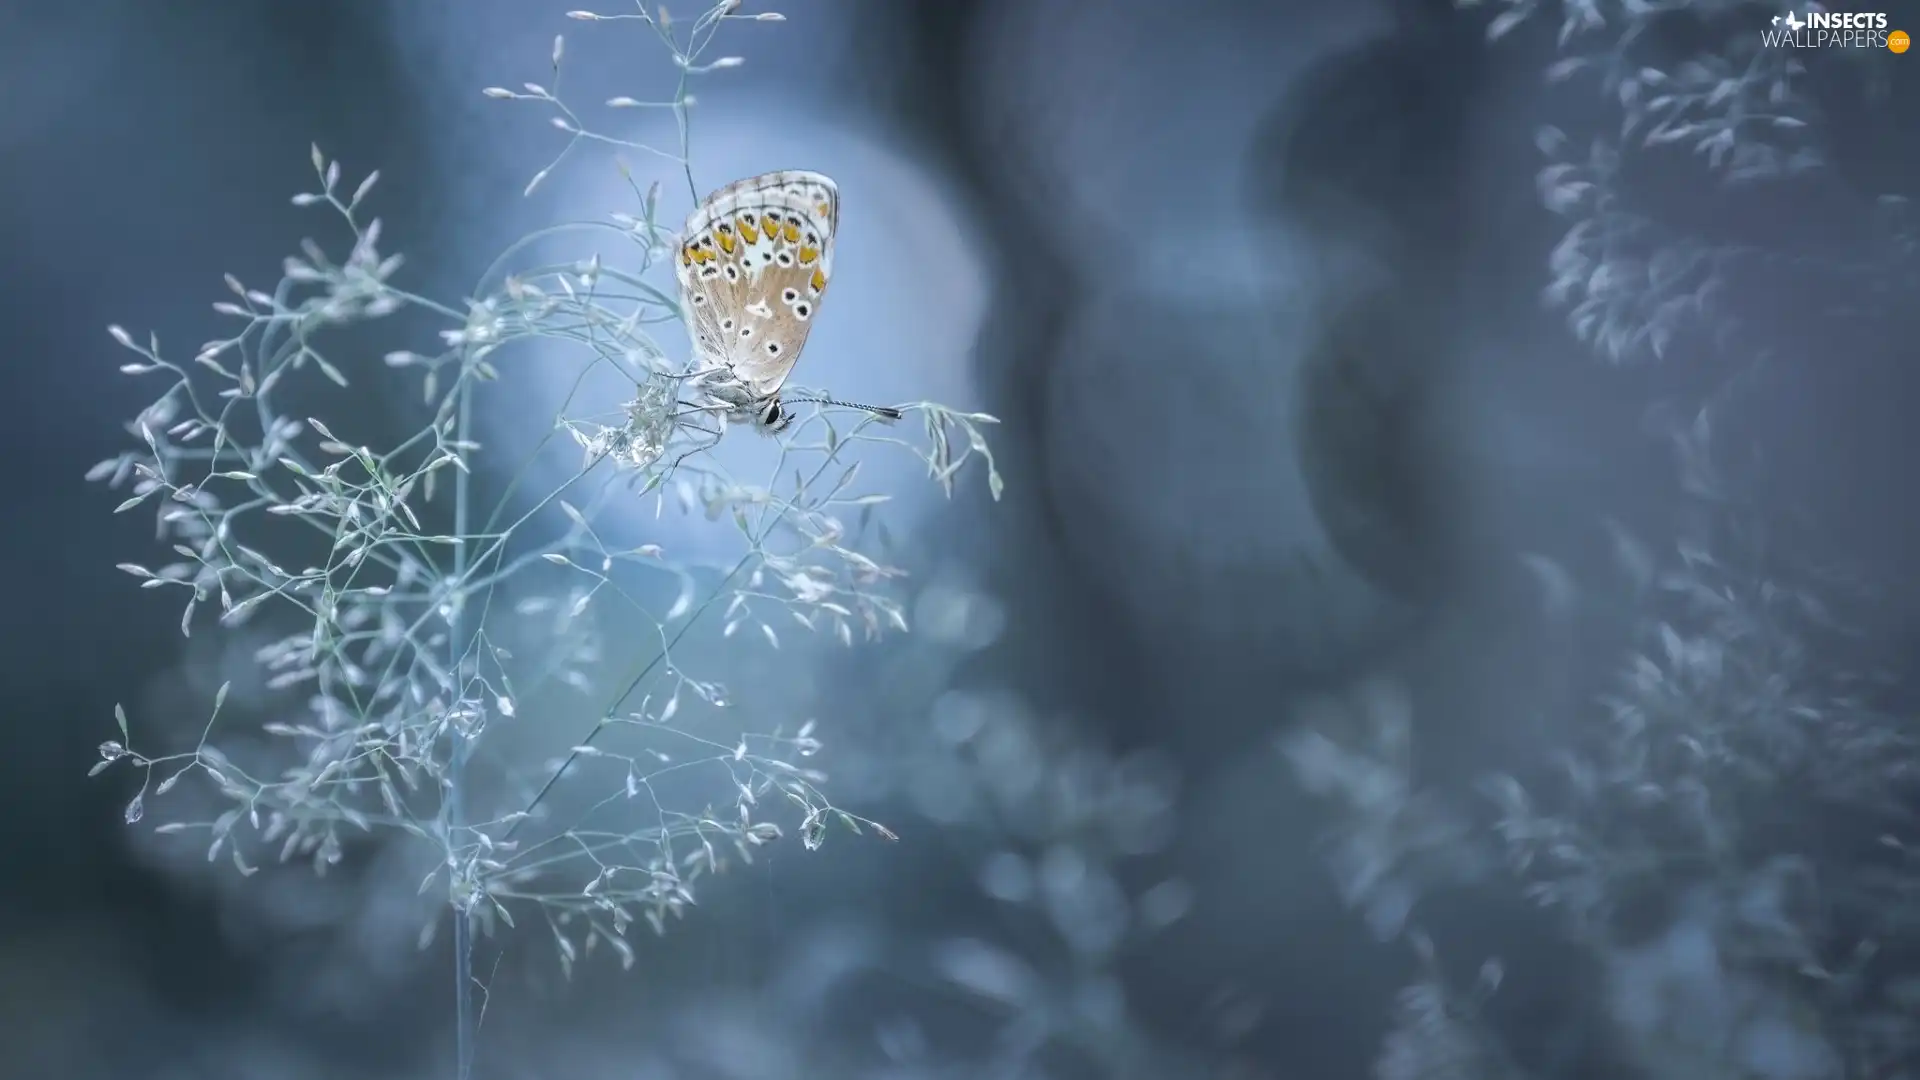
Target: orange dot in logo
[(1898, 41)]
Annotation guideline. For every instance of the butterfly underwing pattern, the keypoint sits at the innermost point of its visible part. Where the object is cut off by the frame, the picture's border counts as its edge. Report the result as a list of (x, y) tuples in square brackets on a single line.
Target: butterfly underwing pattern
[(754, 261)]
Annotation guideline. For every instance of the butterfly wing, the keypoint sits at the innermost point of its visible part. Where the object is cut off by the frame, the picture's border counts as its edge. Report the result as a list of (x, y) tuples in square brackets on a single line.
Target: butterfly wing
[(755, 260)]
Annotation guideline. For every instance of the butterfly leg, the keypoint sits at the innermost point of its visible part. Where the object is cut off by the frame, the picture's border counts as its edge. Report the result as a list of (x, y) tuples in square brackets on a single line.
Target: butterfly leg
[(713, 440)]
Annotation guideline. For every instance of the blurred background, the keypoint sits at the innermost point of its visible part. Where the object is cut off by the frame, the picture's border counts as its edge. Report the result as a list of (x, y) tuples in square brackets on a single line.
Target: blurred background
[(1320, 515)]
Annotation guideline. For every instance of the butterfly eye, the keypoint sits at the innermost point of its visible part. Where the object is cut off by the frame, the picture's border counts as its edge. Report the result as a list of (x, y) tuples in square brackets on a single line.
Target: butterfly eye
[(790, 295), (802, 310)]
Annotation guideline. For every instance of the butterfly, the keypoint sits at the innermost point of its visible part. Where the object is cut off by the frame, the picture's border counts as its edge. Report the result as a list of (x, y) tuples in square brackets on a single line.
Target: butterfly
[(754, 263)]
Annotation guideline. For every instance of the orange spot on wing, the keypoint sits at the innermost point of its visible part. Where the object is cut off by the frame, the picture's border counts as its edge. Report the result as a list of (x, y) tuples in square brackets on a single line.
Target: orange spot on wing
[(808, 254), (726, 243), (686, 256), (792, 233), (819, 280), (748, 233), (826, 208)]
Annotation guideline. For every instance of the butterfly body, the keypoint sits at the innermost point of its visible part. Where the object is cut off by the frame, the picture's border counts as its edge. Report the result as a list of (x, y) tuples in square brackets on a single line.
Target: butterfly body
[(754, 262)]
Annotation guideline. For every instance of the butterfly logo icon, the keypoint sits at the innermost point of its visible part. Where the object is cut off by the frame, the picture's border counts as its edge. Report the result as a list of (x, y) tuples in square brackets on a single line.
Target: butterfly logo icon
[(755, 260), (1793, 21)]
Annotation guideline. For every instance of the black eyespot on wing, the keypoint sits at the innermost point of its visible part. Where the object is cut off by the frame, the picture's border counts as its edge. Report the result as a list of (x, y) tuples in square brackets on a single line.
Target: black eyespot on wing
[(785, 258), (726, 324), (802, 310), (790, 295), (773, 348), (746, 332), (732, 272)]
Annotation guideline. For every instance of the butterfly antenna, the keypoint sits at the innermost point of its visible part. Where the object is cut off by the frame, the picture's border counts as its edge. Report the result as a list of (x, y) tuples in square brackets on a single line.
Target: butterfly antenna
[(884, 411)]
